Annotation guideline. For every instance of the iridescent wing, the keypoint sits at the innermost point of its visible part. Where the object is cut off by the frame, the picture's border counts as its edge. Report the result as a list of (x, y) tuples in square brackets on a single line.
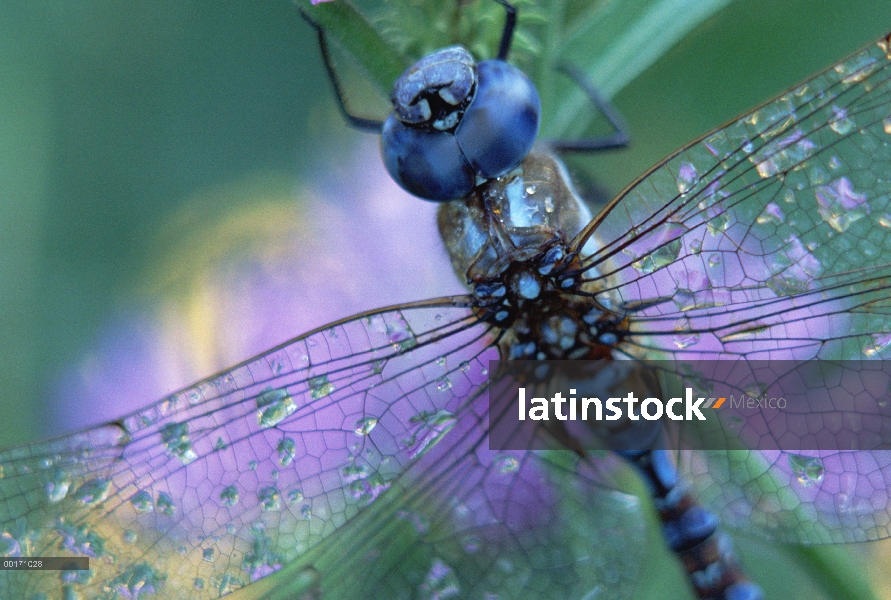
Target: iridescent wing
[(353, 457), (770, 239)]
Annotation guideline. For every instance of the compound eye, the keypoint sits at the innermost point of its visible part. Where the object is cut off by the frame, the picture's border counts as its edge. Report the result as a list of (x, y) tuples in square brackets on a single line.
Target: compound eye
[(455, 124), (500, 125), (428, 164)]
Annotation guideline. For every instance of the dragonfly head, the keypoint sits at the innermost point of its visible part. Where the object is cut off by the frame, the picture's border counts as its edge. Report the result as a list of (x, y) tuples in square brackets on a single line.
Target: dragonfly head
[(456, 123)]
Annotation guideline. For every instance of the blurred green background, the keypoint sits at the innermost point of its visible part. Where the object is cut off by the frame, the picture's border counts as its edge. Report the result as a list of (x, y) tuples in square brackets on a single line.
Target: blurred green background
[(114, 116)]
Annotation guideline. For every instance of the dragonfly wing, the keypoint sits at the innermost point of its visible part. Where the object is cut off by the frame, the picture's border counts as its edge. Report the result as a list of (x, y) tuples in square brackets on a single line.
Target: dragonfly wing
[(469, 522), (352, 458), (222, 483), (768, 239)]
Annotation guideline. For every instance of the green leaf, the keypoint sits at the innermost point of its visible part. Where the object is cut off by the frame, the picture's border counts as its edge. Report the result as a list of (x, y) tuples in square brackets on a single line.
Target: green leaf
[(611, 41), (353, 32)]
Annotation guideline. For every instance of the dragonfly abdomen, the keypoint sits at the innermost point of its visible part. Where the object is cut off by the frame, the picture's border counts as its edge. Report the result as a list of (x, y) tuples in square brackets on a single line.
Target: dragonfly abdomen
[(692, 532)]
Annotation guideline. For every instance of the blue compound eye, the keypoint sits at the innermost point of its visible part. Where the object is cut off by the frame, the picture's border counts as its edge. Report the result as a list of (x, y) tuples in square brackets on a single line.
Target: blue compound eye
[(428, 164), (455, 122), (501, 123)]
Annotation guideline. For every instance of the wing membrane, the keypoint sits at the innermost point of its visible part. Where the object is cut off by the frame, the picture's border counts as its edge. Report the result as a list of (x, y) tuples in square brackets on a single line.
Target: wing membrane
[(768, 239), (226, 481)]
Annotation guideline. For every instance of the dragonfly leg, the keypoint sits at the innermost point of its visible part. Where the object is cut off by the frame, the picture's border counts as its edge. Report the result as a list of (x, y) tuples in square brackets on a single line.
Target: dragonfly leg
[(618, 139), (507, 34), (370, 125)]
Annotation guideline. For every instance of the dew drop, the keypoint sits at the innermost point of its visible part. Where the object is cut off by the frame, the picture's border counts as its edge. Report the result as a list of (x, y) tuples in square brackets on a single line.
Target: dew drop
[(207, 555), (660, 257), (772, 214), (505, 565), (142, 502), (137, 581), (401, 336), (471, 544), (685, 300), (429, 428), (286, 451), (320, 386), (841, 123), (228, 584), (839, 205), (750, 332), (687, 178), (295, 496), (269, 499), (794, 269), (9, 546), (165, 504), (755, 389), (274, 406), (57, 489), (368, 488), (808, 470), (419, 521), (440, 582), (354, 471), (880, 341), (685, 340), (93, 492), (175, 437), (856, 69), (505, 463), (365, 426)]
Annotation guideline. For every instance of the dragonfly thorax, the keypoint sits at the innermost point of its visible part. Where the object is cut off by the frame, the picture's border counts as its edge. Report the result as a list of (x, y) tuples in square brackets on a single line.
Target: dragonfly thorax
[(510, 240), (528, 215)]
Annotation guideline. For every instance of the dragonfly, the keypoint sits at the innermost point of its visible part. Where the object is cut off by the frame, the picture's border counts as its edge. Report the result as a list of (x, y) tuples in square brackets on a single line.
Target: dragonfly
[(370, 432)]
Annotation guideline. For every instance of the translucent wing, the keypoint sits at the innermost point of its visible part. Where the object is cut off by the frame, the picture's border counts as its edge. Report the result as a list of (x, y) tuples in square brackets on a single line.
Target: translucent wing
[(467, 522), (351, 457), (770, 239)]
